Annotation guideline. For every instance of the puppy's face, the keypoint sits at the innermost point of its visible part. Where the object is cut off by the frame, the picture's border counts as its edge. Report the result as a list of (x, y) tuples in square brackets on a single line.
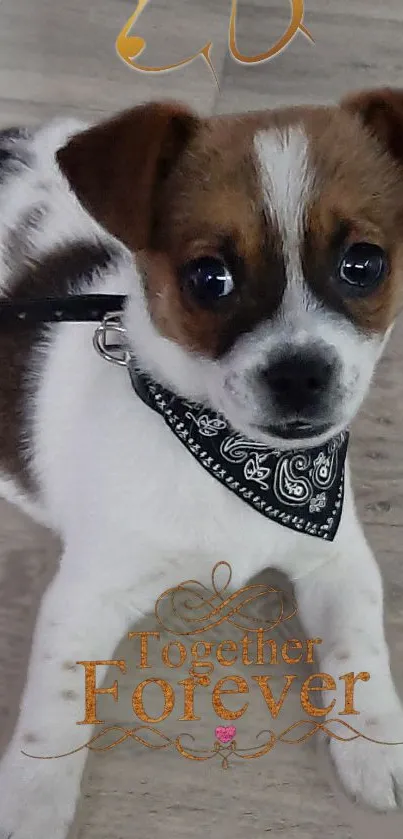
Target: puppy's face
[(270, 247)]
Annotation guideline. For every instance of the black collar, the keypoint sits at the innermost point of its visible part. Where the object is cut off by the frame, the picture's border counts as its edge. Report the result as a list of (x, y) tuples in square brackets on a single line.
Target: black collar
[(76, 308), (300, 489)]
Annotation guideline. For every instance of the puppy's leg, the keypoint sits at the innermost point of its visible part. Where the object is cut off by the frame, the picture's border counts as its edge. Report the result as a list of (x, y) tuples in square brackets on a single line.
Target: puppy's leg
[(342, 603), (84, 614)]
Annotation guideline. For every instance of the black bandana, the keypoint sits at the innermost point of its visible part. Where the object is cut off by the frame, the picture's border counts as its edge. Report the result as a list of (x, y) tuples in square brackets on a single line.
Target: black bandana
[(300, 489)]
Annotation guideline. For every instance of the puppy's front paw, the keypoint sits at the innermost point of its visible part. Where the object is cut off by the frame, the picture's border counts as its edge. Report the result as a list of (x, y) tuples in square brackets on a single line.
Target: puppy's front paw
[(37, 800), (371, 773)]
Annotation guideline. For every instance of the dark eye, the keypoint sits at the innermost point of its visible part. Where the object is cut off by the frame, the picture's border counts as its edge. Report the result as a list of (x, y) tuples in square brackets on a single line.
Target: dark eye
[(208, 279), (362, 268)]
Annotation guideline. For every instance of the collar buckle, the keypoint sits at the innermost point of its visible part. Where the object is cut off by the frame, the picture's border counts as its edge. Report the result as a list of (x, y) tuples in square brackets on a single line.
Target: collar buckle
[(109, 340)]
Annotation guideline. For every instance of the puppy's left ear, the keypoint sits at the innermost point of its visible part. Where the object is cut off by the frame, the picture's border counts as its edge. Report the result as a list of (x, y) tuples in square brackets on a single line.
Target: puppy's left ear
[(117, 168), (381, 111)]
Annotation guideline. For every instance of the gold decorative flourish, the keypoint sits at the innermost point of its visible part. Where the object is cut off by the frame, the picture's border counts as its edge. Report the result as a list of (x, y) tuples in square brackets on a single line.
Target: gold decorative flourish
[(126, 734), (225, 752), (324, 726), (130, 47), (204, 610)]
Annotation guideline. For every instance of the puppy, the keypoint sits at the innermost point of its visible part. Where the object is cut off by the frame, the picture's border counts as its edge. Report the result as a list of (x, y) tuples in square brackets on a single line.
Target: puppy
[(261, 256)]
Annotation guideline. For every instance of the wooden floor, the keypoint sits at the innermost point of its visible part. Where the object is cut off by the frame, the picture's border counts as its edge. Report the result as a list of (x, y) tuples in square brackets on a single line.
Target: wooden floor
[(58, 57)]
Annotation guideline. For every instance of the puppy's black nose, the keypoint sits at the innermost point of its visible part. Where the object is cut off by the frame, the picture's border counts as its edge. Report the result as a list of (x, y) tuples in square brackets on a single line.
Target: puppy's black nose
[(298, 382)]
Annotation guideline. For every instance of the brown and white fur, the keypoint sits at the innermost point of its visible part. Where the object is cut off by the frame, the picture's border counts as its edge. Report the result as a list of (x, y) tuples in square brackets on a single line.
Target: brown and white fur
[(120, 209)]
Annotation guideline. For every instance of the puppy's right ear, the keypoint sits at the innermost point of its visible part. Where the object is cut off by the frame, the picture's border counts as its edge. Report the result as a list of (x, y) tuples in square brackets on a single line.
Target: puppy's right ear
[(116, 168), (381, 112)]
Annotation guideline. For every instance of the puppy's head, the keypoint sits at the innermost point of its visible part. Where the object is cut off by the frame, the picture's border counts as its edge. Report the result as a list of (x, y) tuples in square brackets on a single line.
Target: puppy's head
[(270, 249)]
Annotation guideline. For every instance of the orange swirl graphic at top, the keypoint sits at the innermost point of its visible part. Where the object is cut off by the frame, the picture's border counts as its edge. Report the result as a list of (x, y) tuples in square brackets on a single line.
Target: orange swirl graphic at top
[(130, 47)]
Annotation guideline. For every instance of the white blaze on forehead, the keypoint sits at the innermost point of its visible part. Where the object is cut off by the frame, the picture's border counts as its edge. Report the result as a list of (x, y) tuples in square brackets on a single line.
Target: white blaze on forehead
[(287, 180)]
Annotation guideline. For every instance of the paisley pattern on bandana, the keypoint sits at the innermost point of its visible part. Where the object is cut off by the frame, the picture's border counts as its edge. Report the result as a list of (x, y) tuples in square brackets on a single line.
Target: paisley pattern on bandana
[(300, 489)]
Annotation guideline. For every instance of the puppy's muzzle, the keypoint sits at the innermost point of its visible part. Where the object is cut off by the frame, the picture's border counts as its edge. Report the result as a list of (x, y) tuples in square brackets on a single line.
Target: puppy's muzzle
[(300, 386)]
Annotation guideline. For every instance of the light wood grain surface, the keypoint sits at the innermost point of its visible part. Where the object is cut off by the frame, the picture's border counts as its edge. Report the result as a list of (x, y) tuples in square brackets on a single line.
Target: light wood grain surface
[(59, 58)]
